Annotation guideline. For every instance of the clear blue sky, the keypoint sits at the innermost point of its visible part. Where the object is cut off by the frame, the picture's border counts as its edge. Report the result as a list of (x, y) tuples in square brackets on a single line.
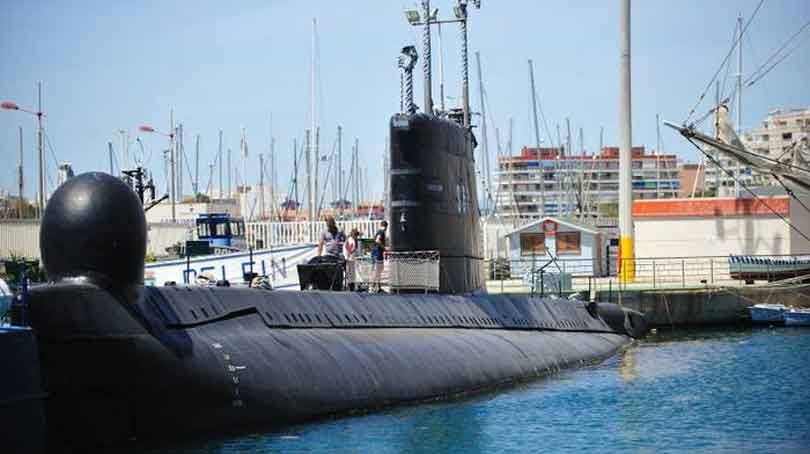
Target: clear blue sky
[(224, 65)]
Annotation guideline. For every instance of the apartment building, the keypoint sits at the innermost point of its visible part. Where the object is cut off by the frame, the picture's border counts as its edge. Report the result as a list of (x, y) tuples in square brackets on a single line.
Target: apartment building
[(780, 130), (548, 182)]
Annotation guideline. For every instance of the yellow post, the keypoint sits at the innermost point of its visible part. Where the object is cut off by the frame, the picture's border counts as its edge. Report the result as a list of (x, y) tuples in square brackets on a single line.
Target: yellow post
[(627, 272)]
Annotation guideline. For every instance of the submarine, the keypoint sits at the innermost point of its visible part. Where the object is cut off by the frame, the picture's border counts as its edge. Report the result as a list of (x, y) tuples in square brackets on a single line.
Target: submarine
[(121, 361)]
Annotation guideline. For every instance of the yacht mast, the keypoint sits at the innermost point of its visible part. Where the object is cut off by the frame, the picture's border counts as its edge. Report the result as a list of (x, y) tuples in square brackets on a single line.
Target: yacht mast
[(537, 140)]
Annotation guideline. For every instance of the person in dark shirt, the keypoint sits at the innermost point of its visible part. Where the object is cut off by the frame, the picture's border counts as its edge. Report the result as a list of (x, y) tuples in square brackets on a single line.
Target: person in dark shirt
[(378, 254)]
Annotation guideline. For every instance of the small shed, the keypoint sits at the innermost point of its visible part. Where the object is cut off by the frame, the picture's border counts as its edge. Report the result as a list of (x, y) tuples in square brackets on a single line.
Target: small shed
[(577, 247)]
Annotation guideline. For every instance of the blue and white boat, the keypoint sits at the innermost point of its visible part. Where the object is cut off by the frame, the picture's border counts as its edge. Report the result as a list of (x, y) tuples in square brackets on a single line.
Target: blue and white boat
[(797, 317), (229, 259), (278, 264), (223, 232), (768, 313)]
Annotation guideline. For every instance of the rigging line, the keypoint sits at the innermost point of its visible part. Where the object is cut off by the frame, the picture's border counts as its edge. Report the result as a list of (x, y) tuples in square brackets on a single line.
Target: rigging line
[(745, 186), (328, 173), (780, 60), (50, 148), (790, 192), (778, 51), (728, 63), (543, 116), (730, 51)]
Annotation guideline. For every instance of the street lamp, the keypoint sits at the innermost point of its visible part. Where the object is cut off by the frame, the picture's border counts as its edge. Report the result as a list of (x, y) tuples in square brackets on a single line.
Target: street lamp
[(170, 135), (41, 156)]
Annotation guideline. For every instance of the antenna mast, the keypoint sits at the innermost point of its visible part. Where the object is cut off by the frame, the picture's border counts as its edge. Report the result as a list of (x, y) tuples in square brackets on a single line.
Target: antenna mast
[(484, 143), (537, 139)]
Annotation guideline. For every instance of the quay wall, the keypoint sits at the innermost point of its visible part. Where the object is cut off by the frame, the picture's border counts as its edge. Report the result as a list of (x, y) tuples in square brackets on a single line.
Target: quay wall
[(705, 306)]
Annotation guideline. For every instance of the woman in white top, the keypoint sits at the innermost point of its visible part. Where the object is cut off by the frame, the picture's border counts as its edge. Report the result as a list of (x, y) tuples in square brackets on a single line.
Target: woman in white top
[(351, 252)]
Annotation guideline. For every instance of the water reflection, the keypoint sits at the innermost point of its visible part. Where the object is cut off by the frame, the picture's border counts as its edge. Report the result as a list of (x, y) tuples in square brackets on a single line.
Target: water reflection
[(664, 393), (628, 365)]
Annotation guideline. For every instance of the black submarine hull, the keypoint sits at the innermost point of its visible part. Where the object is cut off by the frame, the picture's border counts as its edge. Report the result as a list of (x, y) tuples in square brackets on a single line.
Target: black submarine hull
[(172, 361)]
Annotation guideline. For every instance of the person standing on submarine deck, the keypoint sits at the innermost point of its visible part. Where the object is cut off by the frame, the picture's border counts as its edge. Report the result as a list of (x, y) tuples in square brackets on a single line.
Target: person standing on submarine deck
[(332, 240), (377, 254)]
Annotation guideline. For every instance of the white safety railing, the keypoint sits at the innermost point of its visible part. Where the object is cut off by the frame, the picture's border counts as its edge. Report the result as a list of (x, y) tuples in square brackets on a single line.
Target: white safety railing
[(265, 234)]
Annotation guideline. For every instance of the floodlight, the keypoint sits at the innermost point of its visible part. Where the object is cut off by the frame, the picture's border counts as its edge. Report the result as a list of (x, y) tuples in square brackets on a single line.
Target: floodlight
[(412, 16)]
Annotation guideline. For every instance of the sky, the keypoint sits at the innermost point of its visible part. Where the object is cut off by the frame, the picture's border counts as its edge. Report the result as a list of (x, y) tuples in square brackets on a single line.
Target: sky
[(108, 66)]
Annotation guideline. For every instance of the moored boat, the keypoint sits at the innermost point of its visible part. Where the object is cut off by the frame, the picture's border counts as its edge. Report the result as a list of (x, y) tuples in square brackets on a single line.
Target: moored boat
[(768, 313), (797, 317)]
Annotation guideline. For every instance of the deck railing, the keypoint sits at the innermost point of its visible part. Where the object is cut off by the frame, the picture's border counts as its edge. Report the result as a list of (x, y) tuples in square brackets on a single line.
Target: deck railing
[(266, 234), (544, 274)]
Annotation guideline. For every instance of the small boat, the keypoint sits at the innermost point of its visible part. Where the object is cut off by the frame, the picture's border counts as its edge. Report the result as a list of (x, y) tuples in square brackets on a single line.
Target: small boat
[(751, 268), (768, 313), (797, 317)]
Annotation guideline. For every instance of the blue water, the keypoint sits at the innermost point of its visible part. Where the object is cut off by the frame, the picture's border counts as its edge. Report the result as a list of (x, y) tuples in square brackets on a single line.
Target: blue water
[(683, 391)]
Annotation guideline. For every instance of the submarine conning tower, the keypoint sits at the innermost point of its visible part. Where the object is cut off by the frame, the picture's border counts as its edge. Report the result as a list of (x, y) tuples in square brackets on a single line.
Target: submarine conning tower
[(94, 227), (433, 198)]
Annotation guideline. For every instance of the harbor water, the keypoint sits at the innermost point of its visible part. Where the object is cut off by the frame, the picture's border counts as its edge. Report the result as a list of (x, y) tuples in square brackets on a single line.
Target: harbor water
[(738, 390)]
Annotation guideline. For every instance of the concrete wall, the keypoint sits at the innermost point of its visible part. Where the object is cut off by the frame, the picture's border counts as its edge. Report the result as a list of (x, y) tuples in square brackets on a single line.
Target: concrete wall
[(711, 236), (164, 235), (800, 218), (21, 238)]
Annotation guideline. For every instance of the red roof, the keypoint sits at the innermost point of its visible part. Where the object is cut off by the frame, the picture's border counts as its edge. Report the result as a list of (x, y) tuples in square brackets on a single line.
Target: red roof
[(711, 207)]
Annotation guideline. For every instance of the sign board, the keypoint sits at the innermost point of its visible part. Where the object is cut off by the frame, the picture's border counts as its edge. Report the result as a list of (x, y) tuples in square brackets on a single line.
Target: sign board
[(549, 227)]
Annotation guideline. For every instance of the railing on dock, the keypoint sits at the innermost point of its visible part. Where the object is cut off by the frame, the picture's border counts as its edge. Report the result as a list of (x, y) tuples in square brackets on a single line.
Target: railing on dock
[(544, 275), (265, 234)]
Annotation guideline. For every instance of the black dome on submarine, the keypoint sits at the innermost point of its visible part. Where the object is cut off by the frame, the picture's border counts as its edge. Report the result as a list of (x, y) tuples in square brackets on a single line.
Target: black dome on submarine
[(94, 226)]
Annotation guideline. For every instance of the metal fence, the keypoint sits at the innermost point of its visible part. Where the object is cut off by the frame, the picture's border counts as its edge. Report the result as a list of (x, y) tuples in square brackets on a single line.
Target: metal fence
[(399, 271), (543, 274), (265, 234)]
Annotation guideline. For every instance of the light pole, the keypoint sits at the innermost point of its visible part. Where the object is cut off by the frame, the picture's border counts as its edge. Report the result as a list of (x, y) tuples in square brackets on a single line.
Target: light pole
[(170, 135), (428, 18), (40, 154)]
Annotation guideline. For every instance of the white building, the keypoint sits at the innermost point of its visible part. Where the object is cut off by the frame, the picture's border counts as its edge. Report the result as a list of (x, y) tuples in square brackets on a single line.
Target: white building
[(546, 182), (720, 227), (187, 212)]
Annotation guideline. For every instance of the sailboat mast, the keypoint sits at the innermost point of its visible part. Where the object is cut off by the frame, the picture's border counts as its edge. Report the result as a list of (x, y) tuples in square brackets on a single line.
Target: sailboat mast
[(340, 168), (317, 168), (537, 139), (20, 175), (197, 166), (272, 178), (261, 186), (308, 164), (739, 99), (295, 175), (219, 157), (657, 157), (484, 144)]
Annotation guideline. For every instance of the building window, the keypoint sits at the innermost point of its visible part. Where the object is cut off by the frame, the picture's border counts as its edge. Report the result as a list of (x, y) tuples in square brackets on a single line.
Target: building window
[(787, 136), (532, 243), (568, 242)]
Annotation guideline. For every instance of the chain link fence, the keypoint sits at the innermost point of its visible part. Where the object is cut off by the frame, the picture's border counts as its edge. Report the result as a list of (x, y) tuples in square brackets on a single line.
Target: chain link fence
[(399, 271)]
